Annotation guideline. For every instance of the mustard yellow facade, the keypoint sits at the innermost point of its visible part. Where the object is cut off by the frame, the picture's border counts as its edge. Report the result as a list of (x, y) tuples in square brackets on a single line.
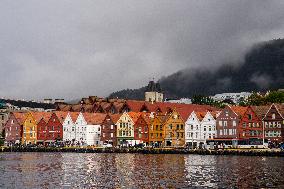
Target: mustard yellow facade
[(157, 131), (174, 130), (29, 130)]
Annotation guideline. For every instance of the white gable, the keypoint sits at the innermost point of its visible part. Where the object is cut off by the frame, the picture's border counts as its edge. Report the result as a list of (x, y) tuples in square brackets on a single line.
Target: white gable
[(193, 119)]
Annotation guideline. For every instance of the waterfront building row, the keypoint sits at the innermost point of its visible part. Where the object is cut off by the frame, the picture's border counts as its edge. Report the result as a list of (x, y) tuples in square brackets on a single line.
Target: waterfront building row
[(174, 126)]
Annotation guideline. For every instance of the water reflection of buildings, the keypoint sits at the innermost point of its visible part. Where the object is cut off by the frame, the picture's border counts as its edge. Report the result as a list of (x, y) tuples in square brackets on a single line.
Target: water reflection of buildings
[(125, 170), (159, 171), (80, 170), (201, 171)]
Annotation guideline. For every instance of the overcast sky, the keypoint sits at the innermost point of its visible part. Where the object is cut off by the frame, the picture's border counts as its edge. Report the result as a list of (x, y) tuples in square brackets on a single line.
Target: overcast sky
[(70, 49)]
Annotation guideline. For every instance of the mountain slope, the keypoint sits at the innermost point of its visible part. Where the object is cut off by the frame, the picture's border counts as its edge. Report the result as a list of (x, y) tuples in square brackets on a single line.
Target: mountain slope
[(262, 69)]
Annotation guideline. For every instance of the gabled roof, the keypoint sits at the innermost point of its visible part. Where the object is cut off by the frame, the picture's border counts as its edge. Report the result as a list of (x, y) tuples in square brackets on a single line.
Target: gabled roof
[(151, 107), (239, 110), (20, 117), (76, 107), (200, 115), (94, 118), (46, 116), (260, 111), (215, 114), (134, 116), (118, 105), (74, 116), (41, 115), (162, 118), (115, 117), (61, 115), (106, 106), (146, 117), (87, 107), (63, 107), (135, 105), (280, 108)]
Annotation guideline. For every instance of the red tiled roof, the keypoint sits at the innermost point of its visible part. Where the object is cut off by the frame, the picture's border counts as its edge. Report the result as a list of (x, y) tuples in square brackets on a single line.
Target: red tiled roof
[(280, 108), (41, 115), (239, 110), (94, 118), (61, 115), (74, 116), (115, 117), (134, 116), (200, 115), (135, 105), (260, 111), (20, 117)]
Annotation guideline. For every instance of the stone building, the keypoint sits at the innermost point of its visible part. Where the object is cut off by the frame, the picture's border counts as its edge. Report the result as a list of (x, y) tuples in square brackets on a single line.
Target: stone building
[(153, 92)]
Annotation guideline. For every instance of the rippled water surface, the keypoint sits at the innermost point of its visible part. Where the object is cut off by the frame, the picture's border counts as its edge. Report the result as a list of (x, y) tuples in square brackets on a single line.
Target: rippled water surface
[(76, 170)]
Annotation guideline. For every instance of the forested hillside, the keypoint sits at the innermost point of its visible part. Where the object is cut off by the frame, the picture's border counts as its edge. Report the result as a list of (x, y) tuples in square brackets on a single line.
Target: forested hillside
[(262, 69)]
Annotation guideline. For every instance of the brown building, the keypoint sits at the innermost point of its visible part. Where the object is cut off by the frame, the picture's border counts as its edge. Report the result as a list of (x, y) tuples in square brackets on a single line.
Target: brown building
[(174, 130), (157, 130), (273, 121), (108, 132), (14, 128), (241, 124)]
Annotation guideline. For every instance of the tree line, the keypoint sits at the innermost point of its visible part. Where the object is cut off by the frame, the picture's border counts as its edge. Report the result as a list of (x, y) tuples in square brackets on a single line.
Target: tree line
[(255, 99)]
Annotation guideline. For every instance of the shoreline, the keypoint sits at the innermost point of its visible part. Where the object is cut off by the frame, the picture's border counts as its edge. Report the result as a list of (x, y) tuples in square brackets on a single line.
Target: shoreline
[(238, 152)]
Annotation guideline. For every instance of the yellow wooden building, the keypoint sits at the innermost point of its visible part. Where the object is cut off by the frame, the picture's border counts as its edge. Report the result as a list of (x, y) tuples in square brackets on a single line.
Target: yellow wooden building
[(157, 131), (30, 128), (174, 130)]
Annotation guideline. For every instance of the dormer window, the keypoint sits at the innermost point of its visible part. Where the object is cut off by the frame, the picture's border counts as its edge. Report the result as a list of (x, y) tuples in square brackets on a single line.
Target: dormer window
[(249, 116), (273, 116)]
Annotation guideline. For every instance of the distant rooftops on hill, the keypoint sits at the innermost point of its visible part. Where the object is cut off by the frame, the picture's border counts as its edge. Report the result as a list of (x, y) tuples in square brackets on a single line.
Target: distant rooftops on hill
[(31, 104)]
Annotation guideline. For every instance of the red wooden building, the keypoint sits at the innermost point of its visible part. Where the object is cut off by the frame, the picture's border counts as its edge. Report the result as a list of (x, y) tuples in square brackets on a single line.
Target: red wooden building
[(49, 126), (141, 127), (239, 123)]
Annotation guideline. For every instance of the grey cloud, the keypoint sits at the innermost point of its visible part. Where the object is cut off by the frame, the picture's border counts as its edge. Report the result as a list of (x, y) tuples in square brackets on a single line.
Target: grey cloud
[(261, 80), (72, 49)]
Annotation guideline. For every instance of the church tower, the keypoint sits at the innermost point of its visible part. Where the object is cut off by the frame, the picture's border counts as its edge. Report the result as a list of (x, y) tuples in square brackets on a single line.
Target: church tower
[(153, 92)]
